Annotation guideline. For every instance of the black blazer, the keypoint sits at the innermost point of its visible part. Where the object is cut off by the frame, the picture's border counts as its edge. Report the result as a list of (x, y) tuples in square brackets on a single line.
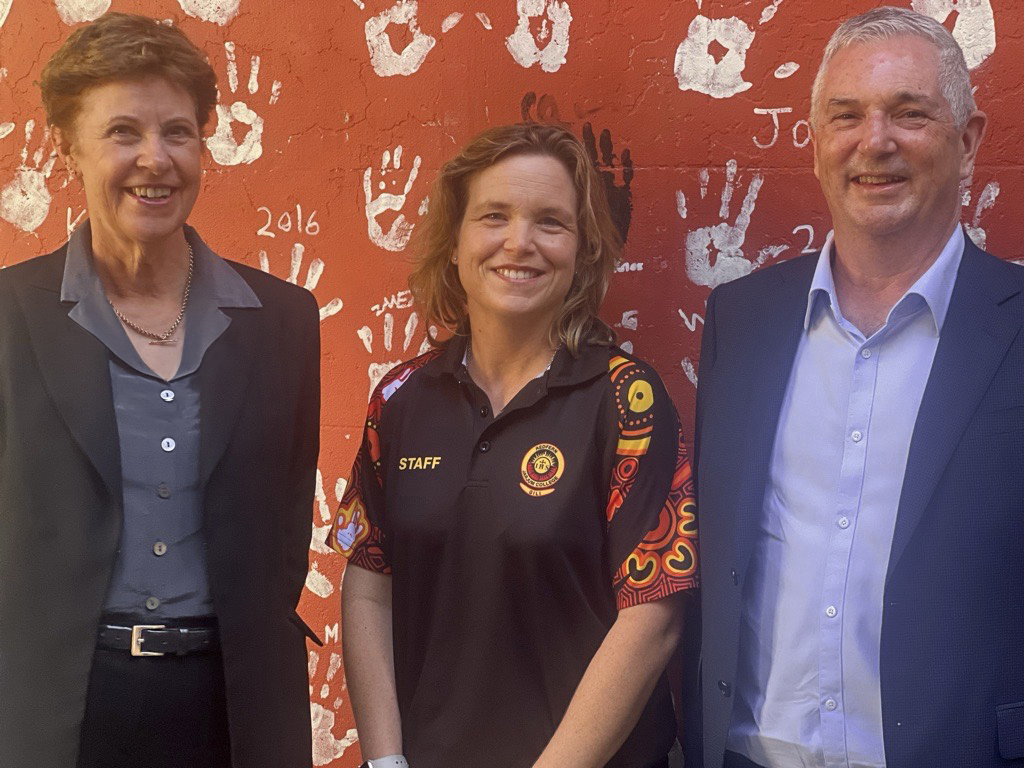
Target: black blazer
[(952, 645), (60, 513)]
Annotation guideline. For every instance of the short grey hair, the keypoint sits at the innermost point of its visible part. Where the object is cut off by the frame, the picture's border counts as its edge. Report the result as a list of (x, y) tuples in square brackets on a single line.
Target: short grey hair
[(886, 23)]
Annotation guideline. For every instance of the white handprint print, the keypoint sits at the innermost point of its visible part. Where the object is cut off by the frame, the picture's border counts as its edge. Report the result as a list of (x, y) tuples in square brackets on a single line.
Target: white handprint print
[(317, 541), (986, 200), (216, 11), (726, 238), (554, 34), (397, 236), (78, 11), (377, 371), (25, 201), (975, 27), (313, 274), (222, 145), (5, 8), (697, 69), (383, 57)]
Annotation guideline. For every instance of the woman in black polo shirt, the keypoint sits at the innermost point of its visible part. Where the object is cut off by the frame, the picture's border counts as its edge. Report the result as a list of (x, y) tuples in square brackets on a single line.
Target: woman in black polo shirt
[(520, 520)]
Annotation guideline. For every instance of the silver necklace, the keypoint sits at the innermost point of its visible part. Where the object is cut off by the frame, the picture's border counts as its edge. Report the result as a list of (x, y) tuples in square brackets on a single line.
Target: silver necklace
[(469, 355), (161, 339)]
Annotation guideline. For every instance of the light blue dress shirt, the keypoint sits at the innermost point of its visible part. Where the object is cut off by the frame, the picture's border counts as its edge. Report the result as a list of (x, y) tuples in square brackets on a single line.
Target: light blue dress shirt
[(808, 690)]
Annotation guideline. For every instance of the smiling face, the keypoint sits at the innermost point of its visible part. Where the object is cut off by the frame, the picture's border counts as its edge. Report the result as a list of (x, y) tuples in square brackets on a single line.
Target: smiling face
[(136, 147), (517, 242), (887, 151)]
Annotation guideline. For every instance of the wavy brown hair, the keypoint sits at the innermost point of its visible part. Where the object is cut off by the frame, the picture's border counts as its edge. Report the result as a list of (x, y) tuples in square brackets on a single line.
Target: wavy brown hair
[(123, 46), (435, 281)]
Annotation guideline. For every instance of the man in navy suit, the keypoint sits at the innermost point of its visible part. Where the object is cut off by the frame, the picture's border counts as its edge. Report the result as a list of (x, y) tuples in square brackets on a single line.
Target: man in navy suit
[(860, 449)]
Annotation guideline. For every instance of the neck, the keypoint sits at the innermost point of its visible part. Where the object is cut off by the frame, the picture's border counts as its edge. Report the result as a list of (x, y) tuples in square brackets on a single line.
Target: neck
[(141, 270), (872, 274), (503, 360)]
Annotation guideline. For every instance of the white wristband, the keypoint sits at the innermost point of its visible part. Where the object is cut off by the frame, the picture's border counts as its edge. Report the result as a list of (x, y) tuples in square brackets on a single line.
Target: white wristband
[(391, 761)]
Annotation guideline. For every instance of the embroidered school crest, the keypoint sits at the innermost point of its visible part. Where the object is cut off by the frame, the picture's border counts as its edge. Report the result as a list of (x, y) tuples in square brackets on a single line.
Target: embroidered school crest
[(542, 466)]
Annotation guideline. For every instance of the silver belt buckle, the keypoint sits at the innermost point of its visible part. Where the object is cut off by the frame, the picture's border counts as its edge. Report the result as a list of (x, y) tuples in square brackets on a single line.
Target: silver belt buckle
[(136, 646)]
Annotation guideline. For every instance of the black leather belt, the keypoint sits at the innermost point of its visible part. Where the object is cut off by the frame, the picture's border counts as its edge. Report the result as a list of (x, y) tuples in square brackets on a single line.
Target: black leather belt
[(156, 639)]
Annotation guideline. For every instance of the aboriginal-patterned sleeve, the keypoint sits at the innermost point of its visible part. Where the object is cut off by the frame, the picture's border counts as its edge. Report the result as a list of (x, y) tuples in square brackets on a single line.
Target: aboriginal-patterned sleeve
[(358, 528), (651, 513)]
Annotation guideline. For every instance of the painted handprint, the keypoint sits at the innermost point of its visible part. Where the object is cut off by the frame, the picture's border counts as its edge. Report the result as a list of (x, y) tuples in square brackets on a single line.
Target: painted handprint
[(223, 146), (385, 60), (620, 196), (974, 29), (698, 69), (313, 274), (325, 510), (79, 11), (726, 239), (25, 201), (377, 371), (986, 200), (553, 33), (215, 11), (398, 234), (5, 8)]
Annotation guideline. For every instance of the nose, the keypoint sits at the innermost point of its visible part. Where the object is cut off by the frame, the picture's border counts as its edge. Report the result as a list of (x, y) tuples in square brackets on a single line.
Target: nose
[(153, 155), (876, 135), (519, 236)]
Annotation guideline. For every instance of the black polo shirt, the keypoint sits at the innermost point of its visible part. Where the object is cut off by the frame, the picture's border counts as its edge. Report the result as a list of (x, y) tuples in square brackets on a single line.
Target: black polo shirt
[(513, 541)]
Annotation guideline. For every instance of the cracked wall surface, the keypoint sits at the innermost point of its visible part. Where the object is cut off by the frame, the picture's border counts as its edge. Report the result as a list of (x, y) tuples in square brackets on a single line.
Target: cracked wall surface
[(334, 118)]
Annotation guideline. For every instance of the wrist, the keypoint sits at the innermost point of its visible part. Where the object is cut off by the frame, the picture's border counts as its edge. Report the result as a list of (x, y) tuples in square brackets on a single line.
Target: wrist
[(391, 761)]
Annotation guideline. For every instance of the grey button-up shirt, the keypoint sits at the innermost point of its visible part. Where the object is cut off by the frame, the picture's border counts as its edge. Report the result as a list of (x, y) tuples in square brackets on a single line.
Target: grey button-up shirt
[(160, 571)]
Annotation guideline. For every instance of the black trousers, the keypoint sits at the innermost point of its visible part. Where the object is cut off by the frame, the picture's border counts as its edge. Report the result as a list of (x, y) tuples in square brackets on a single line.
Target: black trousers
[(156, 712)]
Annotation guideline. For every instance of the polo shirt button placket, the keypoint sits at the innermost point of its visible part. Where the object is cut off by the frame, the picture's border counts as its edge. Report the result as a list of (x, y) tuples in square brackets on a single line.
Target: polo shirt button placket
[(484, 446)]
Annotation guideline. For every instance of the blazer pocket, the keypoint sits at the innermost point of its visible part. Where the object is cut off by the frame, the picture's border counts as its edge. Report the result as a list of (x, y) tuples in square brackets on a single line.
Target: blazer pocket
[(304, 628), (1010, 720)]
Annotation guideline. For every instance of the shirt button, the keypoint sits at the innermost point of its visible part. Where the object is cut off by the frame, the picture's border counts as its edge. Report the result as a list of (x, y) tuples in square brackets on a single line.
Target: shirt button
[(856, 435), (159, 549), (168, 444), (725, 688), (167, 395), (484, 410), (843, 522), (163, 491), (830, 705), (831, 611), (865, 353), (152, 603), (485, 447)]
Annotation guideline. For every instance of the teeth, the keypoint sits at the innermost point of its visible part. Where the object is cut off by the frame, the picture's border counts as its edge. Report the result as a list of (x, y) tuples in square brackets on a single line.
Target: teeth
[(878, 179), (151, 192), (516, 274)]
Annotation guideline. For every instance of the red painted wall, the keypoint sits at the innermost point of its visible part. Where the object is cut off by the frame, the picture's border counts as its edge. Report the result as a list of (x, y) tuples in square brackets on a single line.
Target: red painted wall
[(323, 158)]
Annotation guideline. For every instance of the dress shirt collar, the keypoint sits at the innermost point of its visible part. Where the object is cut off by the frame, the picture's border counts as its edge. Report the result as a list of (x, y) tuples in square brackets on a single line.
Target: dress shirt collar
[(935, 286), (213, 279)]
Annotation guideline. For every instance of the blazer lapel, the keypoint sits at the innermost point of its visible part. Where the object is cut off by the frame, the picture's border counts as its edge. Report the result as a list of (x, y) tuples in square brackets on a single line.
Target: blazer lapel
[(224, 380), (76, 372), (770, 349), (977, 332)]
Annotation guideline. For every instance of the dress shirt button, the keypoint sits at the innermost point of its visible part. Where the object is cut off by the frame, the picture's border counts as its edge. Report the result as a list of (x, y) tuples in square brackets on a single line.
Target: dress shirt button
[(830, 705), (831, 611), (484, 411), (167, 395), (865, 353), (725, 688), (843, 522), (163, 491), (735, 577), (159, 549), (152, 603), (485, 447), (168, 444), (856, 435)]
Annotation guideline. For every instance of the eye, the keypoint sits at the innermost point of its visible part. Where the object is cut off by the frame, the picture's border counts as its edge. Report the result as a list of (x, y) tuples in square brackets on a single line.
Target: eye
[(181, 131), (493, 216), (551, 221)]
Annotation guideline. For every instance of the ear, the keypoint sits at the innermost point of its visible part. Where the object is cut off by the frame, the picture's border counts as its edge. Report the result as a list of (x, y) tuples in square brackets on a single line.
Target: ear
[(62, 144), (970, 140)]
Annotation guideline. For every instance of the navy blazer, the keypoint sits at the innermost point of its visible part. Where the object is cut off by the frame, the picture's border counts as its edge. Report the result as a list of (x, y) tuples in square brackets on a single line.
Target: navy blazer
[(952, 644), (60, 513)]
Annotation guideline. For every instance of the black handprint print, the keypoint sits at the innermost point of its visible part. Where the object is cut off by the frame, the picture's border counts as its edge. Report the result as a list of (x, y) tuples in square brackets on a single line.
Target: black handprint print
[(620, 196)]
